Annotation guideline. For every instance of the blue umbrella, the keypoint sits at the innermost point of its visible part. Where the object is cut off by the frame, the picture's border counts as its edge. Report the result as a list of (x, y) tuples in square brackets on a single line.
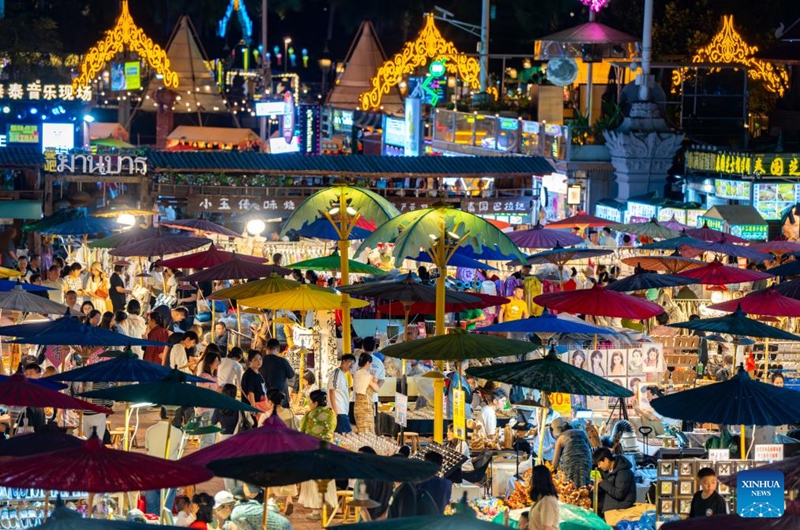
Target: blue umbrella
[(83, 226), (458, 260), (7, 285), (546, 323), (737, 323), (71, 332), (790, 268), (125, 367), (790, 289), (561, 255), (730, 249), (674, 243), (739, 400), (323, 229)]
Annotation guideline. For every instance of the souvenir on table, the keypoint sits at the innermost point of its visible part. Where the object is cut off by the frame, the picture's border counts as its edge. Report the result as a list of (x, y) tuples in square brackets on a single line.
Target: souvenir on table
[(451, 458), (617, 364), (653, 358), (666, 468), (686, 469), (667, 506), (635, 361), (684, 506), (667, 487), (598, 362), (686, 486)]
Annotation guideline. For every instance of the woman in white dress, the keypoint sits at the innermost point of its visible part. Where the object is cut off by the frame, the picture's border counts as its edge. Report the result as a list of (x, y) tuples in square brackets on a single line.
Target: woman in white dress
[(97, 282)]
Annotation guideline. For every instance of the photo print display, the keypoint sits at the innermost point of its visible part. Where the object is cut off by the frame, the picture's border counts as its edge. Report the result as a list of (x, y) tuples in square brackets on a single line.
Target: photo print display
[(667, 506), (686, 486), (684, 506), (653, 358), (618, 363)]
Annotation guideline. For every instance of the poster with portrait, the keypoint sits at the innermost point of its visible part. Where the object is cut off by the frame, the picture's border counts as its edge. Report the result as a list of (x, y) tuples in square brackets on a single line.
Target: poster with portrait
[(598, 362), (617, 362), (577, 358), (596, 402), (653, 358), (642, 395), (621, 381), (635, 361), (633, 385)]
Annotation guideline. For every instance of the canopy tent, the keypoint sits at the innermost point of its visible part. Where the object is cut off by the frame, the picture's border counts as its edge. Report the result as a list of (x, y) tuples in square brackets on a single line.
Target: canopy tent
[(738, 220), (197, 88), (101, 130), (206, 136), (365, 57)]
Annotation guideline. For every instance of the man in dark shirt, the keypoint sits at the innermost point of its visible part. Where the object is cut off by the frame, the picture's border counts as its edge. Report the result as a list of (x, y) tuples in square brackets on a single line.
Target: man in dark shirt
[(707, 501), (118, 292), (440, 489), (276, 370), (618, 487)]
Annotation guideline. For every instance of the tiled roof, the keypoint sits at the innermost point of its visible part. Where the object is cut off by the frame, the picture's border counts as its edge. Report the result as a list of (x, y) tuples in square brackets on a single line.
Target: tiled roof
[(347, 165)]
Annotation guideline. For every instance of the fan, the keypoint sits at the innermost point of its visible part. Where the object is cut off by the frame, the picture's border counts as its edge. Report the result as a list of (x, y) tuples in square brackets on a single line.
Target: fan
[(562, 71)]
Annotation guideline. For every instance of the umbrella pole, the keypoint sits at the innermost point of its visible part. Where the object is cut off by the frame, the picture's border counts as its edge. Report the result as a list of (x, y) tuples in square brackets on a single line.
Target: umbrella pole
[(265, 518), (403, 380), (302, 367), (742, 443), (238, 325), (162, 498), (543, 418), (126, 443), (86, 247), (46, 504), (322, 488), (440, 255), (765, 377), (91, 506)]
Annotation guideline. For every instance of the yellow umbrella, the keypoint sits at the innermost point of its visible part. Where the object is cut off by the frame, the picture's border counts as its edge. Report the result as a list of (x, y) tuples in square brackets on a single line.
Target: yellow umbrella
[(302, 299), (273, 284), (9, 273)]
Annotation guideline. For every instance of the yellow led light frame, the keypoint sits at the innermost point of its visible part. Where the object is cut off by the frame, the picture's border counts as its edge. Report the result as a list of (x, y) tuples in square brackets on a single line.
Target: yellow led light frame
[(728, 47), (125, 34), (428, 46)]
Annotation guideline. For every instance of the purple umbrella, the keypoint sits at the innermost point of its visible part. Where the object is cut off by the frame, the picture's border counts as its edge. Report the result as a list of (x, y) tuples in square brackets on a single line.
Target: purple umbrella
[(539, 237), (161, 245)]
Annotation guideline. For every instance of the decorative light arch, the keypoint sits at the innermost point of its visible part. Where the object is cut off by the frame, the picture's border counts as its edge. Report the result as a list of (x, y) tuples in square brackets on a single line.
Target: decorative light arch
[(125, 34), (728, 47), (429, 46)]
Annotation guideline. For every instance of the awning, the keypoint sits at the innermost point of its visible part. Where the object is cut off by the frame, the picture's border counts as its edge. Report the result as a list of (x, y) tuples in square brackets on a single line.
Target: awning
[(219, 135)]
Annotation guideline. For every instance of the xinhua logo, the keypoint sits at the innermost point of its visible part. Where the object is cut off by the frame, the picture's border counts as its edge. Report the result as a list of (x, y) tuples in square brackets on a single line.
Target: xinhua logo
[(759, 494)]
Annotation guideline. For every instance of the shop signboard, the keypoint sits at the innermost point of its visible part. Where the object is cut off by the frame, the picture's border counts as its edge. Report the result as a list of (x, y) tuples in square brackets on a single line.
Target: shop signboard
[(521, 206), (413, 119), (607, 212), (409, 204), (36, 91), (401, 409), (777, 165), (732, 189), (342, 120), (701, 161), (750, 232), (666, 214), (270, 108), (713, 223), (310, 129), (459, 414), (18, 133), (718, 455), (287, 120), (768, 452), (771, 199), (641, 210), (238, 204), (58, 136), (394, 131), (764, 164), (693, 217), (101, 165)]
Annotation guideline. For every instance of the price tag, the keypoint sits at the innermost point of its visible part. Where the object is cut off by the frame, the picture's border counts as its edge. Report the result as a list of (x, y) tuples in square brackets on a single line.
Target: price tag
[(717, 455), (459, 414), (561, 403), (401, 409), (768, 452)]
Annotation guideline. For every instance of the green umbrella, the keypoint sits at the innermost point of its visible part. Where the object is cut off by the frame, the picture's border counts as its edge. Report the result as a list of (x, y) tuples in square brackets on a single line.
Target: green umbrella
[(333, 262), (458, 345), (550, 374), (57, 218), (652, 229)]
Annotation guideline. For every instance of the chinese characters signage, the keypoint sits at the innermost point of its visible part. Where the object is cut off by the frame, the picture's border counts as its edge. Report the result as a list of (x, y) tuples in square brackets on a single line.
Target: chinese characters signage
[(23, 134), (768, 165), (639, 211), (37, 91), (607, 212), (713, 223), (309, 129), (103, 165), (750, 232), (239, 204), (520, 206)]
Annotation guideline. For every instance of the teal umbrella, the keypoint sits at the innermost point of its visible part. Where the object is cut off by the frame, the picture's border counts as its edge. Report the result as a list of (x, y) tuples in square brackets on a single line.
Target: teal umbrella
[(456, 346), (737, 323)]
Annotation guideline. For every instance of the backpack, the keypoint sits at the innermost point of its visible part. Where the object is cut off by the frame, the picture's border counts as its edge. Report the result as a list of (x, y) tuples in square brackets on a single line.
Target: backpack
[(409, 501)]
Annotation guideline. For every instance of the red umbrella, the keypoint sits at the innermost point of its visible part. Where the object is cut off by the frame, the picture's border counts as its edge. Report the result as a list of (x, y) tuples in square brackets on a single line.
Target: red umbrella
[(236, 269), (207, 258), (767, 302), (95, 469), (714, 236), (425, 308), (272, 437), (715, 273), (582, 220), (201, 226), (17, 391), (161, 245), (779, 248), (600, 302)]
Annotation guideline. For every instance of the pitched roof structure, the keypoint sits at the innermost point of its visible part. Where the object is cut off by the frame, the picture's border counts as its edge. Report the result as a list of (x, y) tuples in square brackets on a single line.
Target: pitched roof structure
[(197, 90), (366, 55)]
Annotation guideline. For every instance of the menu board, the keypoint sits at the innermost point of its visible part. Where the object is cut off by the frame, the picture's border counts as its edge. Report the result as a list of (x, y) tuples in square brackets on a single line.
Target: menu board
[(770, 200), (641, 210), (732, 189), (607, 212)]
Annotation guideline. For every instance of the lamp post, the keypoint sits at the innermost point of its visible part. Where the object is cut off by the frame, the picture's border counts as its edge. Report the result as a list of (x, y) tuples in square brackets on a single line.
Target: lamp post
[(325, 65), (344, 218), (286, 42)]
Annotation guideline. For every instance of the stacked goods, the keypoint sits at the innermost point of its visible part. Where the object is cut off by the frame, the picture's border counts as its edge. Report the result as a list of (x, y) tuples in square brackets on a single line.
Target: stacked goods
[(567, 492)]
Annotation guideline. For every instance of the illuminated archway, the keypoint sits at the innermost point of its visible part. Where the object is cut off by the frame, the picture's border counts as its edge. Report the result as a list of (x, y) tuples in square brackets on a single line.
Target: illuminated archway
[(125, 35), (728, 47), (428, 46)]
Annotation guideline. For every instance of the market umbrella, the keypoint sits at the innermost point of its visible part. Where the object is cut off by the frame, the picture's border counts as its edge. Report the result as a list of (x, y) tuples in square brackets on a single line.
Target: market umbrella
[(735, 522), (538, 237), (9, 273), (41, 382), (127, 237), (652, 229), (70, 332), (125, 367), (303, 298), (406, 289), (201, 227), (560, 256), (271, 285), (789, 268), (715, 273), (95, 469), (790, 289), (210, 257), (457, 260), (63, 518), (115, 210), (582, 221), (738, 324), (333, 263), (601, 302), (426, 522), (18, 391), (715, 236), (236, 269), (767, 302), (35, 328), (675, 225), (321, 228), (111, 142), (272, 437), (739, 400), (546, 324), (49, 439), (83, 226), (641, 280), (58, 217), (20, 299), (778, 248), (672, 264), (428, 308), (8, 285), (725, 246), (456, 346), (160, 245), (675, 243)]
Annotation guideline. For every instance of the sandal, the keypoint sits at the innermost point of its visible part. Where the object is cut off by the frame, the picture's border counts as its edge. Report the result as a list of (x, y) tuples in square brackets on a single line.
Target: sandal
[(289, 510)]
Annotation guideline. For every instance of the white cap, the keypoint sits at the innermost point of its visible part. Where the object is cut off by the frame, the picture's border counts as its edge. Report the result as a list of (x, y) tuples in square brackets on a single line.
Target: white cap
[(222, 498)]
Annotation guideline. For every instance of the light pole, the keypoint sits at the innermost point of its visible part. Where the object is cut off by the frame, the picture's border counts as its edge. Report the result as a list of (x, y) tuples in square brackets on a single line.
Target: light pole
[(325, 65), (266, 73), (286, 42)]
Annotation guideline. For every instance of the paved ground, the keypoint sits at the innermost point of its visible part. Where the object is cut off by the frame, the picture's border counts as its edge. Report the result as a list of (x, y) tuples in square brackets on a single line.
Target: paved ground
[(148, 417)]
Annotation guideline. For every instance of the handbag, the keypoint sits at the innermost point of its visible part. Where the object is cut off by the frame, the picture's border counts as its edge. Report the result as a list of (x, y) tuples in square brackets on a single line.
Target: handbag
[(101, 292)]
